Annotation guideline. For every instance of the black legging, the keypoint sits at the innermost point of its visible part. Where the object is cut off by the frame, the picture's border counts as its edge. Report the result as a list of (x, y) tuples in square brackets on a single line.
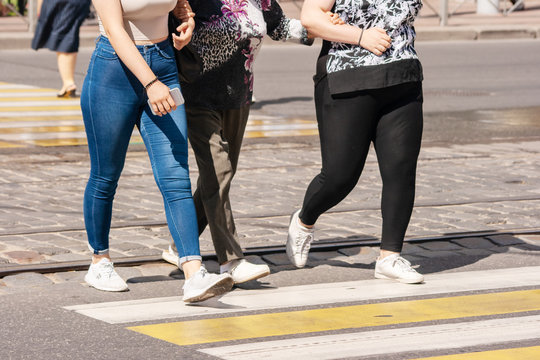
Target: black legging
[(390, 117)]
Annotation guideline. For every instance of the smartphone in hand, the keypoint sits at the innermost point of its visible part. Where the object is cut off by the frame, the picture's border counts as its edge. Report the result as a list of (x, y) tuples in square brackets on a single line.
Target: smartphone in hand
[(175, 94)]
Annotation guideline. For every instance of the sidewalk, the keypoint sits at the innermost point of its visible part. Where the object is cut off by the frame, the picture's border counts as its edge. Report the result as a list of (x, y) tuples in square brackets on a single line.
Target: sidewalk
[(464, 24)]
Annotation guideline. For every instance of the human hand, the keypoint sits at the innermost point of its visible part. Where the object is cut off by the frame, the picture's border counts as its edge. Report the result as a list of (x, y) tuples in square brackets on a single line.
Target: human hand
[(375, 40), (186, 31), (334, 18), (160, 98), (183, 11)]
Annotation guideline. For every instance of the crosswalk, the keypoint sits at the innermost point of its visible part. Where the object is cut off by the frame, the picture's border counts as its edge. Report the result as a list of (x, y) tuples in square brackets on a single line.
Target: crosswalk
[(32, 116), (367, 318)]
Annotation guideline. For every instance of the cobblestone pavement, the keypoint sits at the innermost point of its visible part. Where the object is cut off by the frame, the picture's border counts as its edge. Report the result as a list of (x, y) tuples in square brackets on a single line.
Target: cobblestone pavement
[(461, 188), (429, 255)]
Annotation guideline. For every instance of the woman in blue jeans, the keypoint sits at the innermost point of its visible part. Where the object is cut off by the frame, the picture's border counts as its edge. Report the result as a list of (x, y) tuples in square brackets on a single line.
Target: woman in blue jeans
[(129, 77)]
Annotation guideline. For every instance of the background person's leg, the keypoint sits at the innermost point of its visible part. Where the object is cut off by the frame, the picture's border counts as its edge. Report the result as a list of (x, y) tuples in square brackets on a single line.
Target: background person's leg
[(66, 68)]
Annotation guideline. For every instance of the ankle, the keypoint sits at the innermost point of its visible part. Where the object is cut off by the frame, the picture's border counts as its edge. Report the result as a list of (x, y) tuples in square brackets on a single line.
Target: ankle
[(385, 253), (98, 258), (304, 225), (190, 268)]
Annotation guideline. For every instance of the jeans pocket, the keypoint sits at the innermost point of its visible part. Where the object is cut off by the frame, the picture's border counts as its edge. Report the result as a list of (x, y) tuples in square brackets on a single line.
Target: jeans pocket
[(167, 53), (106, 54)]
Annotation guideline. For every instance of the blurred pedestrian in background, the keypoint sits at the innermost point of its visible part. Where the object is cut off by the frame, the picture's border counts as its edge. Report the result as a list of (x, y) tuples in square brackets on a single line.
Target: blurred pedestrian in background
[(58, 30), (21, 6)]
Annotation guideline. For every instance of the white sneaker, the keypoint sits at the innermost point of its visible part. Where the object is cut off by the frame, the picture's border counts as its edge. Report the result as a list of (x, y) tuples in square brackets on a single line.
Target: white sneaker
[(171, 256), (242, 270), (103, 277), (395, 267), (298, 241), (203, 285)]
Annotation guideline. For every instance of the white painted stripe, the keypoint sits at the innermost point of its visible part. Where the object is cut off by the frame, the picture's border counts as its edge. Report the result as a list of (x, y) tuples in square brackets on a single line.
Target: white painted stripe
[(11, 114), (30, 124), (16, 86), (28, 94), (306, 295), (55, 103), (392, 341)]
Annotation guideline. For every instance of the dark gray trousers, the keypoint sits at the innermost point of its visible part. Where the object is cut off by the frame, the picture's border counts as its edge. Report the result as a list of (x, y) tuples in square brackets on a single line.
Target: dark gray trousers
[(216, 138)]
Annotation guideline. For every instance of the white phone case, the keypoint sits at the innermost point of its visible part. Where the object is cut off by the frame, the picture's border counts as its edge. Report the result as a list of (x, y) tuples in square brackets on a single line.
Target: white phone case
[(175, 94)]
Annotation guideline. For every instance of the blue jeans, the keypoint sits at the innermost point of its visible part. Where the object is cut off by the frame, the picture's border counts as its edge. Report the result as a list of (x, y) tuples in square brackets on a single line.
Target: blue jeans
[(113, 102)]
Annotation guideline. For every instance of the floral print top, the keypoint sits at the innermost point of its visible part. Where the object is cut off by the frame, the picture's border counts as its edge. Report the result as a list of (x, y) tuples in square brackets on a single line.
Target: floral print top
[(396, 65), (228, 35)]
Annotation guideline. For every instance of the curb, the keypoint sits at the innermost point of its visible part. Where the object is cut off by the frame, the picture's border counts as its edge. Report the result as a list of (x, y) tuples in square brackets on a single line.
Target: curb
[(436, 33), (22, 40)]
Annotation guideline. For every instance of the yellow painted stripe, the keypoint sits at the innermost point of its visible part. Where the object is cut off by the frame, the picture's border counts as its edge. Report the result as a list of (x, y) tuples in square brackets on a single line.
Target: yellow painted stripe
[(526, 353), (40, 118), (41, 129), (270, 133), (5, 145), (58, 142), (300, 322), (39, 108), (73, 141), (37, 98)]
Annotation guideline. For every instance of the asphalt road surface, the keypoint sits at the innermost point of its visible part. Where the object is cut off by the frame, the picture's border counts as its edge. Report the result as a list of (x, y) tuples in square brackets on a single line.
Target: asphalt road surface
[(480, 299), (475, 91)]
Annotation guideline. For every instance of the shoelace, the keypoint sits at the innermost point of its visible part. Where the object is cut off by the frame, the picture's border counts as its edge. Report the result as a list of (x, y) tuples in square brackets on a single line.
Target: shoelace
[(106, 270), (202, 271), (306, 244), (403, 264)]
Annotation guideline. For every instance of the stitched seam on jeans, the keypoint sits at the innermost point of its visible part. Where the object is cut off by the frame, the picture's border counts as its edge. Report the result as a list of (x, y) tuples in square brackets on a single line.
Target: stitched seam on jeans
[(91, 72)]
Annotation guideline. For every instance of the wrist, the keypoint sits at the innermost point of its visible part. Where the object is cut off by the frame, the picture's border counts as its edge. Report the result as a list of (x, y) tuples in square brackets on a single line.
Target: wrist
[(150, 83), (360, 37)]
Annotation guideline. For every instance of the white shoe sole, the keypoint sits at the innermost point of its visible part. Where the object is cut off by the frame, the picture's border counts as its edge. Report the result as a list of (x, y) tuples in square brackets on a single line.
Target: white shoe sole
[(102, 288), (401, 280), (216, 289), (252, 277)]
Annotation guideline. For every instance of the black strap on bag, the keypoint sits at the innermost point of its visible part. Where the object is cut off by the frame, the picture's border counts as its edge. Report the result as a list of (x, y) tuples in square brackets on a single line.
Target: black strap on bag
[(188, 61)]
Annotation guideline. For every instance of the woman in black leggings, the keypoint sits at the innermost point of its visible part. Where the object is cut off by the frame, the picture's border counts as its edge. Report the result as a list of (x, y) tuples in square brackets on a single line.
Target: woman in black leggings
[(367, 89)]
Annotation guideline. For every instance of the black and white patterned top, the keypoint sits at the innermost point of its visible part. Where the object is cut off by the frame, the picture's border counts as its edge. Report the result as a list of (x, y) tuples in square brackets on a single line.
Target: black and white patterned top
[(352, 68), (228, 35)]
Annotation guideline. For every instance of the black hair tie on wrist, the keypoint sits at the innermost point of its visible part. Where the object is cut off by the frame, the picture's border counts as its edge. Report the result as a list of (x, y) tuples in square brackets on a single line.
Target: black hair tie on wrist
[(360, 39), (151, 83)]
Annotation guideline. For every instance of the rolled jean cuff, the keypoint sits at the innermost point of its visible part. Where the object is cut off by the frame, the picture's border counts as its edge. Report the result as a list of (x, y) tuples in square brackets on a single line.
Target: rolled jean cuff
[(183, 259), (98, 252)]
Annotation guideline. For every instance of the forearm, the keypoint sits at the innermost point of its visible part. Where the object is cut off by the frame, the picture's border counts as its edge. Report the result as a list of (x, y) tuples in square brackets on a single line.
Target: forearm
[(315, 19)]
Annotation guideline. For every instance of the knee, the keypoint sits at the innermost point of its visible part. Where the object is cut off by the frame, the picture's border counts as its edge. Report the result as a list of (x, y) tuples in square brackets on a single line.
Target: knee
[(102, 187), (175, 189), (339, 184), (400, 170)]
